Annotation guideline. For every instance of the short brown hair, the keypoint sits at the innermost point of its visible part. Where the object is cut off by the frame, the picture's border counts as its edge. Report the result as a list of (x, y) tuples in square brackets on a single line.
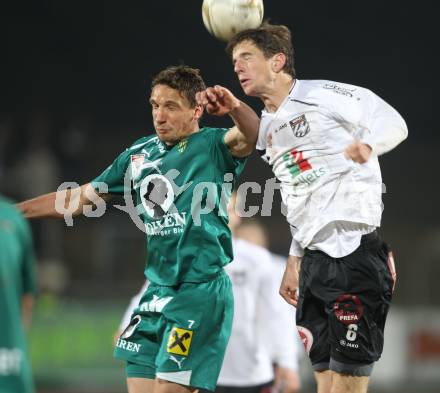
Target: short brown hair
[(182, 78), (270, 39)]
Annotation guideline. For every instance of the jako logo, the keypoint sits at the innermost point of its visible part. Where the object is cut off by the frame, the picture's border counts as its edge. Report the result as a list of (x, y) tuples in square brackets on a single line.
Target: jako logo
[(296, 162)]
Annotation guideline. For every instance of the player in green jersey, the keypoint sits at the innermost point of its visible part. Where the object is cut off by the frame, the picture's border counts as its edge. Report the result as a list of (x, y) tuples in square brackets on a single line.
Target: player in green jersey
[(17, 290), (181, 179)]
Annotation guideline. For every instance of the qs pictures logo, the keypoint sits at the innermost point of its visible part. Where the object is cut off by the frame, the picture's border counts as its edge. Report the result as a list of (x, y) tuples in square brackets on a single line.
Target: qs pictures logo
[(157, 195)]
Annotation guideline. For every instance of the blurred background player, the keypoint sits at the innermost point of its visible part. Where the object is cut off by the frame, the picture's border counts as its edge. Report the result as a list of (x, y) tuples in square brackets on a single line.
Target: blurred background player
[(176, 342), (279, 329), (17, 291), (262, 352)]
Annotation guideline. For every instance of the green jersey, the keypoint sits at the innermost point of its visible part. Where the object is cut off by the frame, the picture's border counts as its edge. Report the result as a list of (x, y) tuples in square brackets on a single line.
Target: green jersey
[(181, 192), (17, 277)]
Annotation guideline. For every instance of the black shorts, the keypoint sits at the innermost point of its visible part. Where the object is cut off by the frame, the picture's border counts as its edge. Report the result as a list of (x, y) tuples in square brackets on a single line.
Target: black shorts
[(343, 304)]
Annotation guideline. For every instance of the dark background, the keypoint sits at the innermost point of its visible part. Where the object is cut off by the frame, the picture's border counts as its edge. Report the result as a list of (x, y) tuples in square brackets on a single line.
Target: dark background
[(75, 80)]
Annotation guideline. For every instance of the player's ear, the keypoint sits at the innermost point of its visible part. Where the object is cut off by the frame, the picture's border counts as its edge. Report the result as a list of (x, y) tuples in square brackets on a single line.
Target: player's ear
[(198, 112), (278, 62)]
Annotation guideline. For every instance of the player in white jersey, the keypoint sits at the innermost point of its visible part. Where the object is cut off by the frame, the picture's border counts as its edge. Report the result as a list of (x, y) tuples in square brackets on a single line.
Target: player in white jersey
[(279, 332), (263, 328), (322, 140)]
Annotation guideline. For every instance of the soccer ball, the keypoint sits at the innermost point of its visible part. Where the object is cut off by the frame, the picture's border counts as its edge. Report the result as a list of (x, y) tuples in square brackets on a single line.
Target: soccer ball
[(225, 18)]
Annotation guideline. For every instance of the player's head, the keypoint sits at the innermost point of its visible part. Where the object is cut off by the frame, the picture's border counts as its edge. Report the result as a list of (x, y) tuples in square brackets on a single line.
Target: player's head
[(173, 101), (251, 230), (260, 56)]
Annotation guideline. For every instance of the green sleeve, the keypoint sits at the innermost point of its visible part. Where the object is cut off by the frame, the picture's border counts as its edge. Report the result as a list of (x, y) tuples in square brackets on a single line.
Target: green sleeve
[(115, 175)]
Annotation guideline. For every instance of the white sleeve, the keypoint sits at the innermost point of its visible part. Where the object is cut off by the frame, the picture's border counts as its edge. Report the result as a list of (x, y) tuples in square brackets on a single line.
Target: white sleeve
[(385, 125), (368, 117), (262, 131), (268, 310), (286, 345), (134, 302), (295, 248)]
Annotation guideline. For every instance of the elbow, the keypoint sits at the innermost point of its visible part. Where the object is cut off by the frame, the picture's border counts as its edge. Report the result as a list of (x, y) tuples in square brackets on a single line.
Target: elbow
[(244, 151), (404, 131), (250, 146)]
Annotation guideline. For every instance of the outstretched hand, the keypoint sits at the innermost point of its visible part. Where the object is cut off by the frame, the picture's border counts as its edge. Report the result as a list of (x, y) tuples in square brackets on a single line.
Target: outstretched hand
[(217, 100)]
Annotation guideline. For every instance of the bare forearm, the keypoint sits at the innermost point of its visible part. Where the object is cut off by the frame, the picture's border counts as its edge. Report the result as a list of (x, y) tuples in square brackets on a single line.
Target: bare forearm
[(40, 207), (295, 262), (247, 122), (56, 204), (289, 283)]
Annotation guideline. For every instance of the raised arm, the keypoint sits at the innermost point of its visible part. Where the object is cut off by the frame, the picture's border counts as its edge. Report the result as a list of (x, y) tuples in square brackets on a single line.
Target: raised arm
[(242, 138), (383, 127), (54, 204)]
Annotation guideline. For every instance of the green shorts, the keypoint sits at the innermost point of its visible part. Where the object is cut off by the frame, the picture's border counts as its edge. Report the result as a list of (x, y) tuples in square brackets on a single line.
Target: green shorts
[(179, 334)]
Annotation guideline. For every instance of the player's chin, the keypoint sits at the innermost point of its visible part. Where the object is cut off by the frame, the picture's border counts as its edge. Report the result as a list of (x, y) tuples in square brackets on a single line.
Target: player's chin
[(248, 90), (164, 136)]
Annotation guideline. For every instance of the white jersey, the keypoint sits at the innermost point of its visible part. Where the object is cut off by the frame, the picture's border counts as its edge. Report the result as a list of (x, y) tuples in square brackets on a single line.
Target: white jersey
[(134, 302), (331, 200), (263, 328), (285, 344)]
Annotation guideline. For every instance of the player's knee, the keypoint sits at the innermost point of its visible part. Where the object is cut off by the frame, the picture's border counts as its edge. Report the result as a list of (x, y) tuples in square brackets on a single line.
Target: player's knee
[(324, 380), (344, 383)]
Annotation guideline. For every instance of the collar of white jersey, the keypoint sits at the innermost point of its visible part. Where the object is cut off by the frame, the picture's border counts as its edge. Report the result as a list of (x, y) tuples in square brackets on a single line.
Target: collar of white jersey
[(292, 92)]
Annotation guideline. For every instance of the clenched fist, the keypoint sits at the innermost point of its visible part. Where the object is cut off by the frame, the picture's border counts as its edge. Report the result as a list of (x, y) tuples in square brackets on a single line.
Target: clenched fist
[(217, 100), (358, 152)]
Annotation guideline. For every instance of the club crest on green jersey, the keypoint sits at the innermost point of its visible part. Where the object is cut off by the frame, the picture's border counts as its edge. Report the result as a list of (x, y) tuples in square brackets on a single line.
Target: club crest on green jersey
[(137, 161)]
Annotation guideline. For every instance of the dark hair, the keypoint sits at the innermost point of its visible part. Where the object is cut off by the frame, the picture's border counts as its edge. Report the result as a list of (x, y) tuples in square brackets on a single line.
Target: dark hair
[(184, 79), (270, 39)]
